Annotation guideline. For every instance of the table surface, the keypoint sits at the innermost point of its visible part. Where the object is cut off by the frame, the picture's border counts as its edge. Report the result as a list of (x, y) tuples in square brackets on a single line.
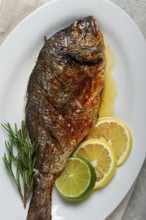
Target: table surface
[(136, 209)]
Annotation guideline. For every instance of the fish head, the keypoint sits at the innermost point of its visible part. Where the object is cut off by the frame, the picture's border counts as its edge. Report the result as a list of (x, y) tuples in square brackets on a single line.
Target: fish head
[(85, 41)]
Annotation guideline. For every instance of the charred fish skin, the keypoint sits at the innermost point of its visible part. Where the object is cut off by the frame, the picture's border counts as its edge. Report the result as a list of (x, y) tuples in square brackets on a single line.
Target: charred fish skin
[(63, 98)]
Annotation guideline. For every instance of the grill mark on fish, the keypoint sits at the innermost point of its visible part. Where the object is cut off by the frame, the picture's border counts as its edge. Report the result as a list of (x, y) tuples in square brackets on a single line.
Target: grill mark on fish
[(46, 144), (52, 84), (63, 98), (50, 133), (60, 101), (64, 114), (76, 107), (47, 115)]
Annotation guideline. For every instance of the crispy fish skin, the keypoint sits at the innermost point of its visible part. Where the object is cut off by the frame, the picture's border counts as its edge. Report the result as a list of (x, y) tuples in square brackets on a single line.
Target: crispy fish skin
[(63, 98)]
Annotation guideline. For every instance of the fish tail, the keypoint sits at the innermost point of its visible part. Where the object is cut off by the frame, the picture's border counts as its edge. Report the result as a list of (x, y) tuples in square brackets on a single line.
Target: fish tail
[(41, 201)]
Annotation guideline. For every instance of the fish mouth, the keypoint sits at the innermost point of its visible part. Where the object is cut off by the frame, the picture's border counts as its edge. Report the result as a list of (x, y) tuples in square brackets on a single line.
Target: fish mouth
[(93, 23)]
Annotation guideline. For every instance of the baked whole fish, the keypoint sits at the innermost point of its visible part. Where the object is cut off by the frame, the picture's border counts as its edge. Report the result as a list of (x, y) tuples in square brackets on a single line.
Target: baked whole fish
[(63, 98)]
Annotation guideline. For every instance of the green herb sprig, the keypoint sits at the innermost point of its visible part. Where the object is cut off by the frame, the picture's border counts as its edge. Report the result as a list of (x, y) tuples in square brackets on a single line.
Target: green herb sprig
[(19, 160)]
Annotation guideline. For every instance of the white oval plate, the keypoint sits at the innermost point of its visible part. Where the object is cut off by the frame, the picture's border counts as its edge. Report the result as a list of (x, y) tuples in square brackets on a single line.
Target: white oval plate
[(17, 58)]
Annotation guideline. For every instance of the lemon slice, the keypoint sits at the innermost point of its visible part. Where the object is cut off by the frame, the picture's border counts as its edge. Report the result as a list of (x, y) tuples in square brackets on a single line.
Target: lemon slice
[(102, 157), (77, 179), (117, 134)]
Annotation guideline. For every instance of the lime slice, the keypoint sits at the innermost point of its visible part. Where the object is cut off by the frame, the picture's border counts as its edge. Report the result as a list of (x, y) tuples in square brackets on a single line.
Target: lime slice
[(103, 158), (77, 179), (117, 134)]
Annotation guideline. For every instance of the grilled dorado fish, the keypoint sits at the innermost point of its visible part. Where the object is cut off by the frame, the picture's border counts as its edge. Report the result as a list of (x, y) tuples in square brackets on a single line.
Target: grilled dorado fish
[(63, 98)]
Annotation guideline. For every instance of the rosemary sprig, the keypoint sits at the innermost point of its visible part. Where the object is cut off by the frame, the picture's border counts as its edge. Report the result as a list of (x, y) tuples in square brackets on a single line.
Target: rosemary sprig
[(19, 160)]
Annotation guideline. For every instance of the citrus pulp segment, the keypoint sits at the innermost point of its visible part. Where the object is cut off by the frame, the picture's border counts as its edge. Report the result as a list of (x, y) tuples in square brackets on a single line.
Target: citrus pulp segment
[(117, 134), (102, 157), (77, 180)]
